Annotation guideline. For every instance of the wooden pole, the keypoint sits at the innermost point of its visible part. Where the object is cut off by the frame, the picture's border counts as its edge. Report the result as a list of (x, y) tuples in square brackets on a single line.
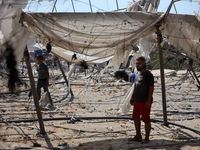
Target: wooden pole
[(64, 76), (30, 73), (159, 39)]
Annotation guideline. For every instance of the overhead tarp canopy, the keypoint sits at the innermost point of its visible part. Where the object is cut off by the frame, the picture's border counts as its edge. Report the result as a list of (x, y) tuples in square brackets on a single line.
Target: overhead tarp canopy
[(102, 36), (96, 36), (183, 32), (11, 30)]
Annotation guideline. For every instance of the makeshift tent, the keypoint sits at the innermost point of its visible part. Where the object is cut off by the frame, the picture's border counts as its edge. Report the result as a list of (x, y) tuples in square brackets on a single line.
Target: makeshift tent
[(183, 32), (101, 36), (95, 37), (98, 35)]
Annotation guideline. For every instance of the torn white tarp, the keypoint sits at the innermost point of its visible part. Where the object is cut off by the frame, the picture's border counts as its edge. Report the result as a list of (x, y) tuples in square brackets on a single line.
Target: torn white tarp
[(97, 35), (10, 28), (145, 44), (125, 107), (32, 46), (109, 35), (144, 5), (183, 32), (67, 55)]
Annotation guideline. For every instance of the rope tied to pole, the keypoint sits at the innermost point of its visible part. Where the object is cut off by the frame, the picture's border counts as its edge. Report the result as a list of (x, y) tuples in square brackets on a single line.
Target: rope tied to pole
[(159, 34)]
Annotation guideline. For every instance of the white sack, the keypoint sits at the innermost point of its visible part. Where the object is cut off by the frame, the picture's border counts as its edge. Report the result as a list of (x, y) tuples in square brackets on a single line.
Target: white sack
[(44, 99), (125, 107)]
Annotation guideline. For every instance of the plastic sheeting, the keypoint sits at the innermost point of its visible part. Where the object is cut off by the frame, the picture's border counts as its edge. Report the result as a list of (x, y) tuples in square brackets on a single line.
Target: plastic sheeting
[(183, 32), (11, 30), (125, 107), (100, 36), (145, 44), (144, 5), (96, 37)]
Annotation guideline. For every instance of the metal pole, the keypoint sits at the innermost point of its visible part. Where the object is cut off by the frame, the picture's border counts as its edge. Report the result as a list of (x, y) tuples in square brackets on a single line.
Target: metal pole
[(90, 5), (39, 115), (64, 75), (167, 12), (195, 75), (159, 38), (117, 4), (73, 5), (54, 7), (175, 8), (191, 68), (101, 118)]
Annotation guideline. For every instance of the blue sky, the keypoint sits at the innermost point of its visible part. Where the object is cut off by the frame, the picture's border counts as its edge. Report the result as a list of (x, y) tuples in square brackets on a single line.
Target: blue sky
[(182, 7)]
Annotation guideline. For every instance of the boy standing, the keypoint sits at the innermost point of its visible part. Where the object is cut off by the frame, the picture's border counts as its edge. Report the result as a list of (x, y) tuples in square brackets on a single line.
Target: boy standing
[(43, 78)]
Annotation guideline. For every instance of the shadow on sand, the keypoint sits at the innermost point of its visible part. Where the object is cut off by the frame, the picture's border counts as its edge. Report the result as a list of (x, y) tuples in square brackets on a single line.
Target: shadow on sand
[(124, 144)]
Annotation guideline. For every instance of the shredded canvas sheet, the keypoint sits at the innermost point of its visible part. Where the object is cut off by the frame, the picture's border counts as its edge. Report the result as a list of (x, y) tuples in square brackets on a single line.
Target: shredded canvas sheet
[(125, 107), (11, 30), (95, 36), (183, 32), (44, 99)]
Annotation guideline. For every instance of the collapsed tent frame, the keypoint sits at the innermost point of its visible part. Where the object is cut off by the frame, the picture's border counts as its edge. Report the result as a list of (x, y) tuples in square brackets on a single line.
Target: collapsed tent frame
[(99, 118), (162, 80)]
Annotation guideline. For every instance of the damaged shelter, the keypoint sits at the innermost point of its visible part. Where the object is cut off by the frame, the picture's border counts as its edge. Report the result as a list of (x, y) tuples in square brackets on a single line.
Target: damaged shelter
[(95, 37)]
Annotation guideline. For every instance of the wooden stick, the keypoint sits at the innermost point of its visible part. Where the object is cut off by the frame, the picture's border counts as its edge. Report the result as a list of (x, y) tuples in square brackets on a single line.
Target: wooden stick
[(30, 73), (159, 38), (64, 76)]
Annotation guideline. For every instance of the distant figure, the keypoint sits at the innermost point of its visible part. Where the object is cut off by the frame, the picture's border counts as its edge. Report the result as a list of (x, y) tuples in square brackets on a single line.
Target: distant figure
[(132, 77), (142, 100), (43, 78), (54, 64)]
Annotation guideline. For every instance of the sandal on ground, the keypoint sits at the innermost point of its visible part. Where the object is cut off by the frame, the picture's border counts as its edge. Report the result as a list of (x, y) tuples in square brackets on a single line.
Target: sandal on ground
[(135, 139), (144, 142)]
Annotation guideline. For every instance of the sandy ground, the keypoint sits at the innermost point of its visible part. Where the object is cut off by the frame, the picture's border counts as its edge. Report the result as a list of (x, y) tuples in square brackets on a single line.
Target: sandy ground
[(101, 99)]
